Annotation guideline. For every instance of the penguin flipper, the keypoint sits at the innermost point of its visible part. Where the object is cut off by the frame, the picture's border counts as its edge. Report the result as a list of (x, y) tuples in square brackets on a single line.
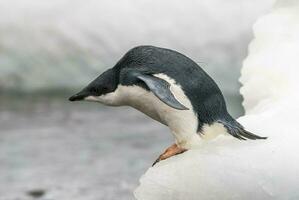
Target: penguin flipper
[(161, 89), (237, 130)]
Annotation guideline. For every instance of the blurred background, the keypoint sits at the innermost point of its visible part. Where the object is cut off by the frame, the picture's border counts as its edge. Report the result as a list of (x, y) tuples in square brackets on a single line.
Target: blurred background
[(53, 149)]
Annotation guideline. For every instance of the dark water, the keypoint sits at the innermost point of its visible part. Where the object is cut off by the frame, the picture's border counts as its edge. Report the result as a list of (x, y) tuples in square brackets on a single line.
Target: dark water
[(53, 149)]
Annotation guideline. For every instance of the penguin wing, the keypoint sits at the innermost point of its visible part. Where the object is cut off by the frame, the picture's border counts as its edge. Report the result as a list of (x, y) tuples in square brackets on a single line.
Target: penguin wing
[(161, 89)]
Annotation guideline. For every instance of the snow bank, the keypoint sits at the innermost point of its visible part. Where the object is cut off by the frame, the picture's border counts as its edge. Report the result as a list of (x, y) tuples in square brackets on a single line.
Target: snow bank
[(226, 168)]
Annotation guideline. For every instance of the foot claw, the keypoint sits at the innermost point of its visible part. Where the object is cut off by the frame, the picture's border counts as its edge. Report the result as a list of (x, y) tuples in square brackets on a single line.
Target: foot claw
[(156, 161)]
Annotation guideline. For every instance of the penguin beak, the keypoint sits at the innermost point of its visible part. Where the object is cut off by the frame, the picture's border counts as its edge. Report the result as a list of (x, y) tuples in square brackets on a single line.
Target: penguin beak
[(78, 97)]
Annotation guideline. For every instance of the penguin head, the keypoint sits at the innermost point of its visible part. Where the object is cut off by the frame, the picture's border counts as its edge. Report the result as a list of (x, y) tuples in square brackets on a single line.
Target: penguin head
[(134, 70), (99, 89)]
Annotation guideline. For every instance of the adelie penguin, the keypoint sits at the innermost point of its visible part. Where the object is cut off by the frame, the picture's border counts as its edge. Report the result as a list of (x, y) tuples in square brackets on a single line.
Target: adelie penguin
[(170, 88)]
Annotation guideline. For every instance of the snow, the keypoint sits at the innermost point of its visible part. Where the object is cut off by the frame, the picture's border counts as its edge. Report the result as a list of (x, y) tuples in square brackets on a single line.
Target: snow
[(226, 168)]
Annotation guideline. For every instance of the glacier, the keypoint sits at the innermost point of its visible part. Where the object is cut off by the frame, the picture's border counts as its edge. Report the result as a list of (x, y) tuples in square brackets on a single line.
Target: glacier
[(225, 168)]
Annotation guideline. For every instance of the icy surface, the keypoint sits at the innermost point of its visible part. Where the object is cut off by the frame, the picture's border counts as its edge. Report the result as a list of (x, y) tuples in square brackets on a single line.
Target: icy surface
[(230, 169)]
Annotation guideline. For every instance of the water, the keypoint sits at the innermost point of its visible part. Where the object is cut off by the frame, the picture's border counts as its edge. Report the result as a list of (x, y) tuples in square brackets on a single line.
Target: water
[(74, 151)]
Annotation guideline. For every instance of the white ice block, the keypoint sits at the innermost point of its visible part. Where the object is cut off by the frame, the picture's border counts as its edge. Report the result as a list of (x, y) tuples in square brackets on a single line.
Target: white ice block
[(226, 168)]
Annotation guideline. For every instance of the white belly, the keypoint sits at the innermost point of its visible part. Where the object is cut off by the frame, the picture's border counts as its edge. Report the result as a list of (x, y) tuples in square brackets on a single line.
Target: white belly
[(182, 123)]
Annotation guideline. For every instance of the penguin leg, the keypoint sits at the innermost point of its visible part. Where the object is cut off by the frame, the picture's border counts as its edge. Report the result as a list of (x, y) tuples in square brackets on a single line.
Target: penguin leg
[(169, 152)]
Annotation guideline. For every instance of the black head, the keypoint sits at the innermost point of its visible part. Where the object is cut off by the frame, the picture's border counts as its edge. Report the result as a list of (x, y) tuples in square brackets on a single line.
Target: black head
[(106, 83), (135, 68)]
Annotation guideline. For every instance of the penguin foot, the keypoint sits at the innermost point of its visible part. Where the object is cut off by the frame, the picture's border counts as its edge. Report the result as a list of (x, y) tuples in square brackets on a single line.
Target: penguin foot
[(169, 152)]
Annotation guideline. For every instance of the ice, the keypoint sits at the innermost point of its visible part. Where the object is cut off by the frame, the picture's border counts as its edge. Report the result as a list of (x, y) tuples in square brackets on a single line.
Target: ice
[(226, 168)]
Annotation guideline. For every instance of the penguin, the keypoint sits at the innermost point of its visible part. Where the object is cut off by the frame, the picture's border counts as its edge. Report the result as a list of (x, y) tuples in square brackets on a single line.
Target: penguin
[(170, 88)]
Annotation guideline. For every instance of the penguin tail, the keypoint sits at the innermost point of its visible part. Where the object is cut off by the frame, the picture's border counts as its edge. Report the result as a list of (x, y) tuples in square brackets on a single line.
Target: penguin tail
[(237, 130)]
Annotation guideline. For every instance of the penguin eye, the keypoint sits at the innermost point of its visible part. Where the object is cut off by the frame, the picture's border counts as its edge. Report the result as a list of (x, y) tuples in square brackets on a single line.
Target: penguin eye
[(104, 89)]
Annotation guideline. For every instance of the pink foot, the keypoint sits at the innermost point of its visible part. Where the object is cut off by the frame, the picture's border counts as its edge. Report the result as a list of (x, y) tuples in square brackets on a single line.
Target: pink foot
[(169, 152)]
